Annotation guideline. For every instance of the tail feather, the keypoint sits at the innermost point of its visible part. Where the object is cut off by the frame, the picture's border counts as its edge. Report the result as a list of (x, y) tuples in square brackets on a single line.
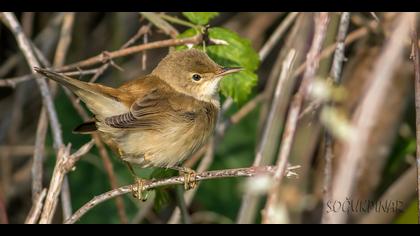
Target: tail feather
[(86, 128), (101, 100)]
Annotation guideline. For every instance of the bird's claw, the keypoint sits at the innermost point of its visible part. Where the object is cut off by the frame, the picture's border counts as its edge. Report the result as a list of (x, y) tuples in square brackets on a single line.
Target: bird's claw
[(190, 178), (139, 191)]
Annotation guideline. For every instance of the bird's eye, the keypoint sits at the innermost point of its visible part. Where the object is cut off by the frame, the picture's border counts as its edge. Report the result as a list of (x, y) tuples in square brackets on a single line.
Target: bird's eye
[(196, 77)]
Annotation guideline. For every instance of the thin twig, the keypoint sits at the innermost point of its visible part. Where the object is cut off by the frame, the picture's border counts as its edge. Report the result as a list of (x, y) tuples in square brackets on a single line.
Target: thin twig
[(38, 154), (131, 50), (35, 212), (65, 163), (65, 39), (335, 76), (160, 23), (416, 65), (143, 30), (339, 51), (351, 37), (357, 144), (276, 36), (47, 34), (25, 46), (55, 186), (217, 174), (12, 82)]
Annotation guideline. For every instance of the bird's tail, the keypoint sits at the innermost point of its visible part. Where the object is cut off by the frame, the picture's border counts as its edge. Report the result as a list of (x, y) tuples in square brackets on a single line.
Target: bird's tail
[(101, 100)]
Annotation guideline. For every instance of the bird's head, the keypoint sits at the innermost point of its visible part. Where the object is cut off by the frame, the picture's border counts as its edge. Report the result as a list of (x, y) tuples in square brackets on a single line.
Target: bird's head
[(192, 72)]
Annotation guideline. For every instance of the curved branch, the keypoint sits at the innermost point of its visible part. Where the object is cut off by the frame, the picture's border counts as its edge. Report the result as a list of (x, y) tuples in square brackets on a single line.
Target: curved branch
[(216, 174)]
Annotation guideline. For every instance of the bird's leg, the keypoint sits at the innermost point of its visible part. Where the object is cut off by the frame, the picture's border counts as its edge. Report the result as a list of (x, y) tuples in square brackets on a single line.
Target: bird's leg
[(190, 176), (138, 189)]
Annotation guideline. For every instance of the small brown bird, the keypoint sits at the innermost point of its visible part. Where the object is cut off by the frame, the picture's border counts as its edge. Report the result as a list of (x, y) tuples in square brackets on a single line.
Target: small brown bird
[(158, 120)]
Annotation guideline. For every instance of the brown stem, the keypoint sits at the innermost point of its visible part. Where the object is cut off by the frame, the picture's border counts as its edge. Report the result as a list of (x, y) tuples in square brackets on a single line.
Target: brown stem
[(131, 50)]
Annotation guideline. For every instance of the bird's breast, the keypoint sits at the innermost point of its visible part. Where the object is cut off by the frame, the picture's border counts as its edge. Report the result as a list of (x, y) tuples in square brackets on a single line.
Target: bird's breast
[(176, 139)]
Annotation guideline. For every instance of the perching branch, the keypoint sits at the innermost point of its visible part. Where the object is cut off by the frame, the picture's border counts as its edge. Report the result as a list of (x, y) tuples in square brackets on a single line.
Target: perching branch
[(216, 174)]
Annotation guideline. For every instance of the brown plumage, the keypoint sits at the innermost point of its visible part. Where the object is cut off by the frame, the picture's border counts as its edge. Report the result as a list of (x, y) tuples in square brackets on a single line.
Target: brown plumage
[(160, 119)]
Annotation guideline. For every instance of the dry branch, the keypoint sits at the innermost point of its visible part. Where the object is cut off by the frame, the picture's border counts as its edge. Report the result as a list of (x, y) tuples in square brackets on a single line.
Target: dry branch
[(65, 163), (131, 50), (36, 209), (25, 46), (217, 174)]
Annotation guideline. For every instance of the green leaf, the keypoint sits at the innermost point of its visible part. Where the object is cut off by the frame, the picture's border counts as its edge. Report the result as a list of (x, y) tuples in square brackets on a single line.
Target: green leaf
[(239, 86), (237, 52), (200, 18)]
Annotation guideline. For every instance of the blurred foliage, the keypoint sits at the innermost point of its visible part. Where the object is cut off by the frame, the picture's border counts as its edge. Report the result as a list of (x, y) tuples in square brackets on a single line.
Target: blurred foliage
[(409, 216), (200, 18)]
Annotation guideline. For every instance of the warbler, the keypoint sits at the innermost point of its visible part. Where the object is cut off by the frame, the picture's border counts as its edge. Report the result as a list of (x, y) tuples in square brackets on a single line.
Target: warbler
[(157, 120)]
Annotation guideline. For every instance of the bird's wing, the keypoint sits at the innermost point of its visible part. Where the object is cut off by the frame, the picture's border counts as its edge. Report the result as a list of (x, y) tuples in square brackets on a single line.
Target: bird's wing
[(145, 113)]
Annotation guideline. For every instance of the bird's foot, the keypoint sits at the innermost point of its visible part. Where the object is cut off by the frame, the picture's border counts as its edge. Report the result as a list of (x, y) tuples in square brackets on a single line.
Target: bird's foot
[(139, 191), (190, 178)]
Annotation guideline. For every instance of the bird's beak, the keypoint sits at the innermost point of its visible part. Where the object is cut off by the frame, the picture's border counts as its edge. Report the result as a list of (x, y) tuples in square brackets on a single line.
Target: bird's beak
[(228, 70)]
